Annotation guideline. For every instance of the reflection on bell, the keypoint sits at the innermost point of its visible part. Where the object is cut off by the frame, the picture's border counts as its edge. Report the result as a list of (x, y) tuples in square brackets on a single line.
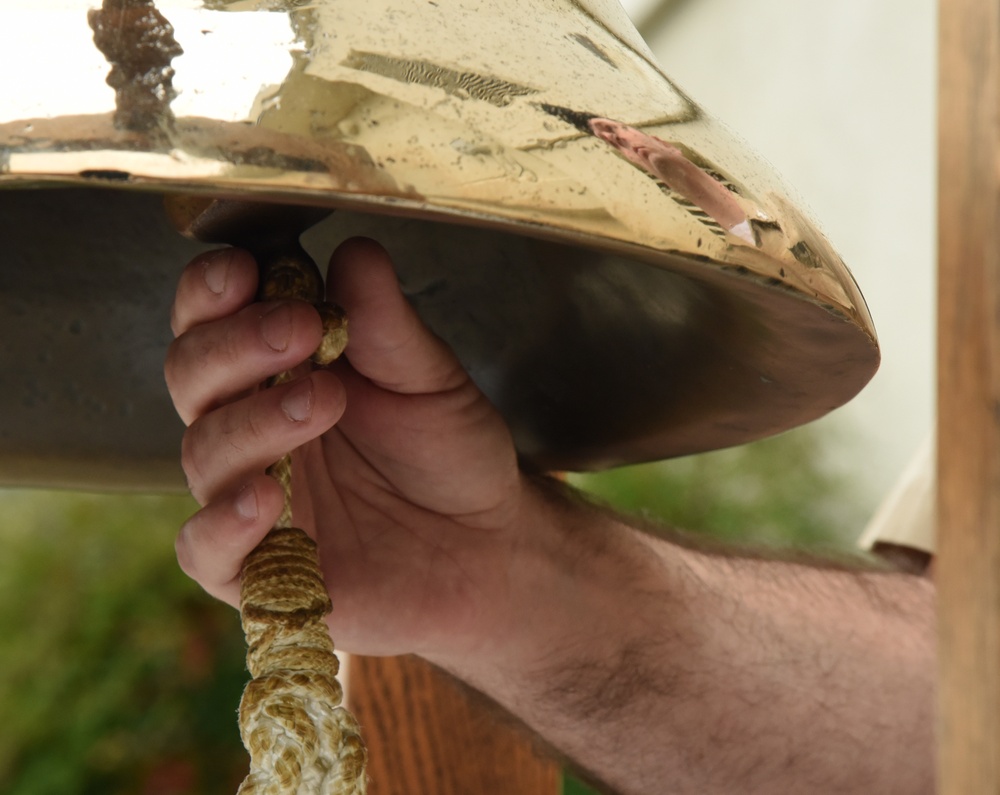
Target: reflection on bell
[(622, 278)]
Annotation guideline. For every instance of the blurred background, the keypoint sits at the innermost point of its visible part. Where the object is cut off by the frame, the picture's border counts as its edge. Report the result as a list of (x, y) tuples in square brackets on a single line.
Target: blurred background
[(118, 676)]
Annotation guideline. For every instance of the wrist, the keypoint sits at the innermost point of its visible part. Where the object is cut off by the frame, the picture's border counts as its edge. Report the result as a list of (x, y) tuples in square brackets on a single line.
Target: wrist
[(574, 574)]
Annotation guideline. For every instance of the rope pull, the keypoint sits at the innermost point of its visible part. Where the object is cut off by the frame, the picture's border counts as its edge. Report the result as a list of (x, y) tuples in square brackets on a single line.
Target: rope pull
[(301, 740), (299, 737)]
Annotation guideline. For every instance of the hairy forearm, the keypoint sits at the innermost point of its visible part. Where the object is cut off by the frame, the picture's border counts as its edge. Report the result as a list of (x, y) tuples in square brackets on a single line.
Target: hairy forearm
[(659, 668)]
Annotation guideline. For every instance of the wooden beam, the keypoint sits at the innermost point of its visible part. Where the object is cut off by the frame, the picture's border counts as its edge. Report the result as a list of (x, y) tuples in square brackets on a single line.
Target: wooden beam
[(426, 735), (968, 563)]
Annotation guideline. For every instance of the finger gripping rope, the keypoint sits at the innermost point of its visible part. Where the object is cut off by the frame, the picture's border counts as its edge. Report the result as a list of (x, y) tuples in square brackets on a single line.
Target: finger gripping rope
[(301, 741)]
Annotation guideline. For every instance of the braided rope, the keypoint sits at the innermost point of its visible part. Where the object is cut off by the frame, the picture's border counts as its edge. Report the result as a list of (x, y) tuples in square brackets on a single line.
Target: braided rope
[(301, 741)]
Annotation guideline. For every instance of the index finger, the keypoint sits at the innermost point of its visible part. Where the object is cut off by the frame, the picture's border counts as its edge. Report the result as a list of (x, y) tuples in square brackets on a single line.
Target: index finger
[(213, 285)]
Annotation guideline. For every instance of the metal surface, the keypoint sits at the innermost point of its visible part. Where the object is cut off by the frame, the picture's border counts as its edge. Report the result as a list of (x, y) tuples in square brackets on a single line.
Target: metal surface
[(622, 278)]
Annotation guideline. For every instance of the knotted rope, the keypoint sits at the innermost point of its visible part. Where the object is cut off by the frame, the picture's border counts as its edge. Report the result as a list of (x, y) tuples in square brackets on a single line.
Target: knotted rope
[(301, 741)]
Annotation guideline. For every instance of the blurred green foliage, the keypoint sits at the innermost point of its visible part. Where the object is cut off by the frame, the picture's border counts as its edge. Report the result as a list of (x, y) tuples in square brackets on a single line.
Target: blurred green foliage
[(572, 786), (118, 676), (777, 492)]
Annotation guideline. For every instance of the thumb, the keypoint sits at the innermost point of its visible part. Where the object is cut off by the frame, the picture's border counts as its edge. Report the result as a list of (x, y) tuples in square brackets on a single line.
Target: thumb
[(388, 342)]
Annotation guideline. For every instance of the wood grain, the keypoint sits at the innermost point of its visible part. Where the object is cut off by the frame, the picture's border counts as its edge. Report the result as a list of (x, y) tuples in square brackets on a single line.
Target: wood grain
[(426, 736), (968, 564)]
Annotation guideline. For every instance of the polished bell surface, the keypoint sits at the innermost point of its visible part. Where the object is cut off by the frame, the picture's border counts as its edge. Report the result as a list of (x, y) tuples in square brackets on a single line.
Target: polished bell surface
[(621, 276)]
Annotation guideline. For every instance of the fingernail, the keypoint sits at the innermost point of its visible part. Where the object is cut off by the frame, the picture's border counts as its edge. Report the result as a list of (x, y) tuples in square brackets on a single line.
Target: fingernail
[(297, 402), (216, 271), (246, 503), (276, 327)]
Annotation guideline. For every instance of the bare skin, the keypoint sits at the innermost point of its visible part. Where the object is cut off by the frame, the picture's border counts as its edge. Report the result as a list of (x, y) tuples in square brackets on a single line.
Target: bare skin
[(657, 667)]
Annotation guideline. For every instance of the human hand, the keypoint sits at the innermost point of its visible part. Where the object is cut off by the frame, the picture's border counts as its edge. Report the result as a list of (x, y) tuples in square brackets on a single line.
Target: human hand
[(625, 651), (404, 473)]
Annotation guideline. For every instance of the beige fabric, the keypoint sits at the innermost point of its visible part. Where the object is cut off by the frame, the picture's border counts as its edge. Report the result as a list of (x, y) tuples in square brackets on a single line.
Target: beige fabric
[(907, 515)]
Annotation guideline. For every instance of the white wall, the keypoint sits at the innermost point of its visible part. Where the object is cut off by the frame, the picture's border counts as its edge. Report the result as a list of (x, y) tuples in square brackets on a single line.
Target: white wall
[(840, 97)]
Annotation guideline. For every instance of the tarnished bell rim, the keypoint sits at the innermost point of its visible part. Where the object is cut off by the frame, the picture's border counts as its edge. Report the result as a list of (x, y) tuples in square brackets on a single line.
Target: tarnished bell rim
[(624, 280)]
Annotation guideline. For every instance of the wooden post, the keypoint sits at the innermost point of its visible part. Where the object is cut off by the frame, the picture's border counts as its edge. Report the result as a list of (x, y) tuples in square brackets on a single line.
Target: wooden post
[(968, 564), (424, 735)]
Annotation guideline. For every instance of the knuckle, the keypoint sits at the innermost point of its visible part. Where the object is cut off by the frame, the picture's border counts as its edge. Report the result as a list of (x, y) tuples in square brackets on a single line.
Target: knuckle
[(229, 345), (171, 367), (255, 427), (191, 461), (183, 367), (175, 323), (186, 558), (222, 444), (202, 347)]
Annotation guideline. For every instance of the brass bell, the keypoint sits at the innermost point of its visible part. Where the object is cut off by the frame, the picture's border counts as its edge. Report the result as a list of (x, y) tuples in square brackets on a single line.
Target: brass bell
[(622, 277)]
